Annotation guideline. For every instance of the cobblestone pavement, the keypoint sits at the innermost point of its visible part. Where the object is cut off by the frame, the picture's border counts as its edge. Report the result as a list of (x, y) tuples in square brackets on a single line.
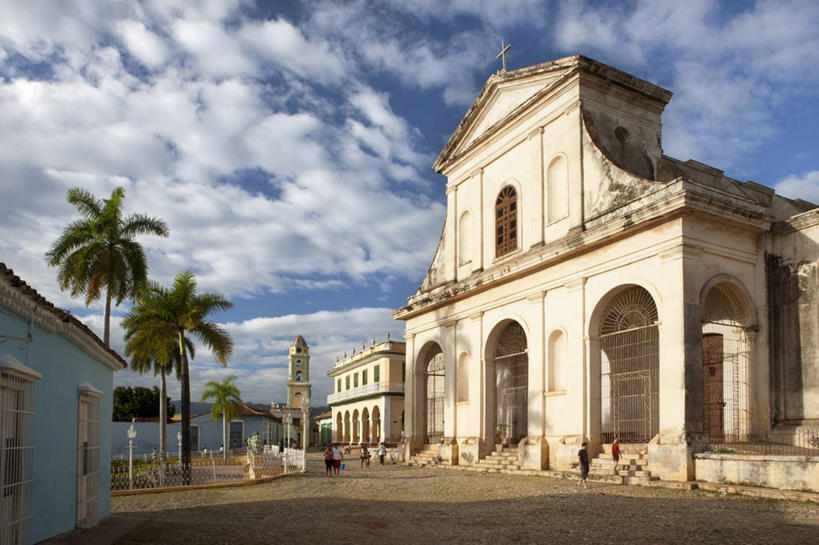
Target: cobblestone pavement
[(397, 505)]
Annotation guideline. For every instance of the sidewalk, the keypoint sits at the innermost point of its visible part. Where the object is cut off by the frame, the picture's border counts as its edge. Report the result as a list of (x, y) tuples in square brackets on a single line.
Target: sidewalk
[(108, 531)]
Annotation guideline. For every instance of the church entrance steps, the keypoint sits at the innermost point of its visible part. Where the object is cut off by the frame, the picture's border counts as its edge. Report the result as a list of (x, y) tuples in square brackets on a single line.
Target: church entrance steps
[(427, 457), (633, 464), (504, 459)]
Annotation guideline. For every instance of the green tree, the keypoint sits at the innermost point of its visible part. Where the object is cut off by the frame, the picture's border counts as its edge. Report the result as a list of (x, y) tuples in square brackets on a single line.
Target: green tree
[(181, 312), (139, 402), (98, 252), (153, 347), (227, 402)]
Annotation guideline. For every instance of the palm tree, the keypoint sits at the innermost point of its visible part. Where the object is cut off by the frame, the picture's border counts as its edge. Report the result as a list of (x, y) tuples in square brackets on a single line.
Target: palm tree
[(178, 312), (226, 402), (98, 251), (152, 348)]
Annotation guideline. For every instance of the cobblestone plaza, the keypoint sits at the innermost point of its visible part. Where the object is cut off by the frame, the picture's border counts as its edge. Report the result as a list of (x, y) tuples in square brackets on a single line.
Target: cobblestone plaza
[(396, 504)]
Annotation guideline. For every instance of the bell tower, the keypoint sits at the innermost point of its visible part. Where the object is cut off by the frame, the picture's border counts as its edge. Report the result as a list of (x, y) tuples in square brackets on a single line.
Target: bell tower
[(298, 374)]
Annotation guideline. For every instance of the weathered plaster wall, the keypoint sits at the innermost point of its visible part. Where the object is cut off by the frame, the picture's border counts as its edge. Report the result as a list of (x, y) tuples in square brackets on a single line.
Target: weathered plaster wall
[(787, 472), (793, 292)]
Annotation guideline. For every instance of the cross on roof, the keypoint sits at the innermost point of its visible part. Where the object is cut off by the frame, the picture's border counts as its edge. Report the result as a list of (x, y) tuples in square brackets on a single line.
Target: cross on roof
[(502, 55)]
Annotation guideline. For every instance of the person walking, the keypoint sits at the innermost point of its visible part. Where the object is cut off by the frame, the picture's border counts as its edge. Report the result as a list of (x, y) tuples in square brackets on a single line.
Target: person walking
[(583, 459), (615, 454), (382, 451), (365, 457), (337, 458), (328, 460)]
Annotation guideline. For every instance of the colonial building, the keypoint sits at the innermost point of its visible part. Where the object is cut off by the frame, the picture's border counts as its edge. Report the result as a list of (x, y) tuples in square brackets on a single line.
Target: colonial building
[(368, 401), (587, 287), (56, 399)]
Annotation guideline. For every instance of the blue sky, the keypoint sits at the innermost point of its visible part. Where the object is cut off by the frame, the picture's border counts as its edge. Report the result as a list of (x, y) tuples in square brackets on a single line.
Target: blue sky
[(289, 145)]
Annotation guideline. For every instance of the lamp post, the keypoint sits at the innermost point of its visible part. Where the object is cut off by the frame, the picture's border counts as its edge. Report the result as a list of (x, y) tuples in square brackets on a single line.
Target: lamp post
[(288, 420), (179, 444), (132, 433), (305, 411)]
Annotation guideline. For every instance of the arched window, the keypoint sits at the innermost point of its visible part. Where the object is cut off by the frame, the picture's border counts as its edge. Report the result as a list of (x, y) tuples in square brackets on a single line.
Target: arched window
[(557, 361), (463, 377), (557, 189), (465, 238), (298, 376), (506, 222), (630, 367)]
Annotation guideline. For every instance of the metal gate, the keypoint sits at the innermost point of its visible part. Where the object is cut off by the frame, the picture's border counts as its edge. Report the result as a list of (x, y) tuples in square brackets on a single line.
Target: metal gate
[(726, 385), (511, 385), (630, 365), (713, 398), (435, 398)]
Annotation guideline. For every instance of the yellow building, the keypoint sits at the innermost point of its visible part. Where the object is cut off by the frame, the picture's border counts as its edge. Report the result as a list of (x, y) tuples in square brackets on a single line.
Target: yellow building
[(368, 399)]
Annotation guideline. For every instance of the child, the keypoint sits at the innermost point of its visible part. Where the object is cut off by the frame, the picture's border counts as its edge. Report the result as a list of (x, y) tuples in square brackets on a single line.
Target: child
[(583, 458), (615, 454)]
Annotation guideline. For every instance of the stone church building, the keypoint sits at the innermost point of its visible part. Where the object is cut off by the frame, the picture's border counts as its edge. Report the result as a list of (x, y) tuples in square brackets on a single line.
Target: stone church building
[(588, 287)]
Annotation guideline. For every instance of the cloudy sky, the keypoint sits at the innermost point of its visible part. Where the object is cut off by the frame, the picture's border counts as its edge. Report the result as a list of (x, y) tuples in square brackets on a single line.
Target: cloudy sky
[(289, 145)]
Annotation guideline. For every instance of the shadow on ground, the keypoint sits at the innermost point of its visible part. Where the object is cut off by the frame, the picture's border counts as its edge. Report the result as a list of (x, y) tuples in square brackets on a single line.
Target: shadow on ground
[(434, 511)]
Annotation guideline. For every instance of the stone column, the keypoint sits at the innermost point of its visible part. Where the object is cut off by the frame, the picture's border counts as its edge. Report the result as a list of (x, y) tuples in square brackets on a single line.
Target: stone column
[(680, 394), (386, 419)]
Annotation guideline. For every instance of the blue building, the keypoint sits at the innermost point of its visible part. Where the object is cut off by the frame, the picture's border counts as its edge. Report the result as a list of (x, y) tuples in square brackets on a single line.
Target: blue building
[(56, 383), (205, 432)]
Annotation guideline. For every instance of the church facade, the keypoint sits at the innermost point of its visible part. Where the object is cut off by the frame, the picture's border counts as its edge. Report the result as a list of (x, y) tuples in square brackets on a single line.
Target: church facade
[(588, 287)]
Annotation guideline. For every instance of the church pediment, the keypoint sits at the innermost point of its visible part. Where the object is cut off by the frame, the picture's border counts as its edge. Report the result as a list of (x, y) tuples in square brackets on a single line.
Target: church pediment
[(503, 94)]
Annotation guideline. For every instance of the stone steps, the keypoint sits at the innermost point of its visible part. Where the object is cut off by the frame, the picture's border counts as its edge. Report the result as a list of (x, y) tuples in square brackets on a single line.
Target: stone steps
[(501, 460)]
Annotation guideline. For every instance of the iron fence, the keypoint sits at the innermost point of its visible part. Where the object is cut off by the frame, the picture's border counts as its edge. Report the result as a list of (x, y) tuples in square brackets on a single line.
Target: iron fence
[(242, 464)]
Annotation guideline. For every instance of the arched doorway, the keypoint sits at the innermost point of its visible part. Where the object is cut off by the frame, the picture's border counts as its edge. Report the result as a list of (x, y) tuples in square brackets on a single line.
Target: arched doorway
[(339, 428), (629, 367), (356, 427), (365, 425), (434, 396), (726, 315), (511, 362), (376, 424)]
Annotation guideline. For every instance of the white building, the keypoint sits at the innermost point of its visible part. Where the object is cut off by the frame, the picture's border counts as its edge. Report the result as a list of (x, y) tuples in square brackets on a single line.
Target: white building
[(586, 286)]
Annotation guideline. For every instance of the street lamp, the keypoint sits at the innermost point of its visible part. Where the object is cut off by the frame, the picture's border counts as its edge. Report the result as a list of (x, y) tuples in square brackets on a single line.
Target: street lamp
[(132, 433), (305, 410), (288, 420)]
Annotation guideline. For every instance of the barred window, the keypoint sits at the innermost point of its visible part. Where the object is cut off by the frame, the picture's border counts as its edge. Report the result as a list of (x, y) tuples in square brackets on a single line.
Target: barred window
[(16, 448), (364, 377), (377, 373), (506, 222)]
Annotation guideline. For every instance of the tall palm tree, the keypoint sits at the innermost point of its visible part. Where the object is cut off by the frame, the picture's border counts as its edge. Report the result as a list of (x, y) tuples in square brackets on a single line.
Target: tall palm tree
[(153, 348), (227, 402), (98, 251), (179, 312)]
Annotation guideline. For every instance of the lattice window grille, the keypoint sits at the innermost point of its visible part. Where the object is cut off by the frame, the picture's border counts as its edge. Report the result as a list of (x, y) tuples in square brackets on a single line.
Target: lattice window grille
[(16, 450)]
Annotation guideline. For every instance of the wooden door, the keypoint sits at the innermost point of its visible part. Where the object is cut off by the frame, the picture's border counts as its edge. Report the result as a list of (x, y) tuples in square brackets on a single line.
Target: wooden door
[(713, 400)]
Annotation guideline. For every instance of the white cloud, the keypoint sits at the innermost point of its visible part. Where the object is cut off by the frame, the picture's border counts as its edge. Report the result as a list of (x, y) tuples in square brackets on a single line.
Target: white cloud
[(149, 48), (729, 71), (261, 348), (804, 187)]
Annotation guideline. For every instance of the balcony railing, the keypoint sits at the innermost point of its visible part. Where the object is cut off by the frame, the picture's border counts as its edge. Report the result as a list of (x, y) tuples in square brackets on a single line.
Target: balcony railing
[(367, 389)]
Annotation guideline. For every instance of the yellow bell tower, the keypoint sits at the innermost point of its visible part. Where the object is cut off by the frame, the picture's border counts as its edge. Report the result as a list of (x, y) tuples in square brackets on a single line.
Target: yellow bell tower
[(298, 381)]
